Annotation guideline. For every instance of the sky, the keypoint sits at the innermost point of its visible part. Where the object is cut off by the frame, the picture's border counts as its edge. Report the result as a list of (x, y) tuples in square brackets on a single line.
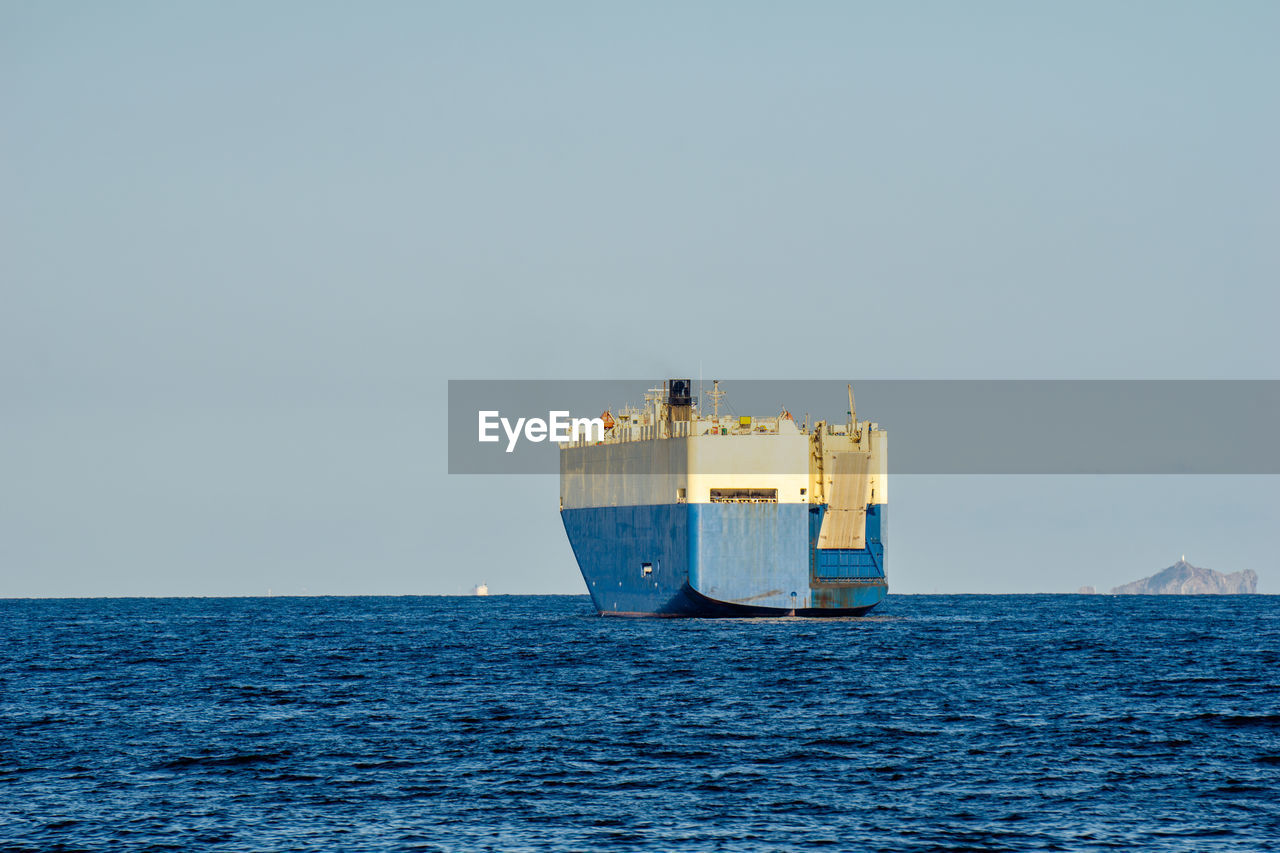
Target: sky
[(244, 246)]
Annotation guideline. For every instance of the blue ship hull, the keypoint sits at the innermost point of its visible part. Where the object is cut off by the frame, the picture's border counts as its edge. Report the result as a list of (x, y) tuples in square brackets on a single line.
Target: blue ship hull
[(724, 559)]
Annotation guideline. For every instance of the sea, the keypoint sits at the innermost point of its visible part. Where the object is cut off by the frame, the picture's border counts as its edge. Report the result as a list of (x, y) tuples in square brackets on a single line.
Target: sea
[(938, 722)]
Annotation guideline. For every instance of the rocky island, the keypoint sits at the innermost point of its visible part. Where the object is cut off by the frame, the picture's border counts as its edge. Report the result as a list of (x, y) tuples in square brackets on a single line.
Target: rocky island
[(1182, 578)]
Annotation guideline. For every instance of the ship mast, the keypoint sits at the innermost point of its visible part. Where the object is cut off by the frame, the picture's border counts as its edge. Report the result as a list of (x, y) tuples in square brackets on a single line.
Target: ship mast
[(715, 394)]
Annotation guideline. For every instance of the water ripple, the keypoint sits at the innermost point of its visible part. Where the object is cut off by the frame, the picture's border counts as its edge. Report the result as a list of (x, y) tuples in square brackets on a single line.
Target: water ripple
[(944, 722)]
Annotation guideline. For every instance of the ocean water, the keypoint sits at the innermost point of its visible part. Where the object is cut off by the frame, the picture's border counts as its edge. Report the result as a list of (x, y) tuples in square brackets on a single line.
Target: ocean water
[(526, 723)]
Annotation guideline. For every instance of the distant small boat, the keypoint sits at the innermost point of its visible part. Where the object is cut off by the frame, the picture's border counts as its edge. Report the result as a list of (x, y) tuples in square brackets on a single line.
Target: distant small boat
[(481, 589)]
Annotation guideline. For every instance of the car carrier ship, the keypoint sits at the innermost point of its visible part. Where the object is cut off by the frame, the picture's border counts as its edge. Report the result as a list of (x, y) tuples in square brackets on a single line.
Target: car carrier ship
[(676, 512)]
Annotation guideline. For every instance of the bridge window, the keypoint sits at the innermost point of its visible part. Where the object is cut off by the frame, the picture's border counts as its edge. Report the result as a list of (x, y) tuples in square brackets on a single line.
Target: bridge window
[(744, 496)]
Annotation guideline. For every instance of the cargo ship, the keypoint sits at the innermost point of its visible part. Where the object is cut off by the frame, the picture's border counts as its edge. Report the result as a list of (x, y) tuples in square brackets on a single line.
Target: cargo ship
[(673, 511)]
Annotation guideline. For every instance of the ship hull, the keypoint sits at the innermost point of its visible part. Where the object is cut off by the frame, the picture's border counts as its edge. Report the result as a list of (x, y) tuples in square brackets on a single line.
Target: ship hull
[(723, 560)]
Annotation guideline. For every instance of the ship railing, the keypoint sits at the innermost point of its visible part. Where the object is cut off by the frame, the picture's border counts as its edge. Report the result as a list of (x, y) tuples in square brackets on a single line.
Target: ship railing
[(626, 432), (849, 579)]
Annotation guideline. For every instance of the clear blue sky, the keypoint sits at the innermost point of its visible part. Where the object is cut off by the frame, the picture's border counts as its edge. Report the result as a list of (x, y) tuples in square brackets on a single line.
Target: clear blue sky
[(243, 246)]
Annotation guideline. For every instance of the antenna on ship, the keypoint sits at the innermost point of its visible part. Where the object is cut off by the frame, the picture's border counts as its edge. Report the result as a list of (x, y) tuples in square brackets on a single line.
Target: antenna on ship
[(853, 412), (715, 396)]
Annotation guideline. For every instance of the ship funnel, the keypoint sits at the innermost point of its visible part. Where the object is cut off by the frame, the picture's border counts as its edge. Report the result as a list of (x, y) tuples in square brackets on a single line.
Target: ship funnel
[(680, 399)]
